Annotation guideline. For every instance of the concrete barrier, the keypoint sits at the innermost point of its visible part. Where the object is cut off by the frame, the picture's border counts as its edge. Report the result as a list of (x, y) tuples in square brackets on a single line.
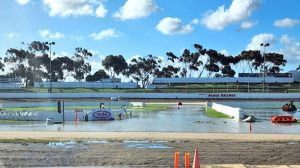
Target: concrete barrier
[(137, 104), (206, 96), (236, 113)]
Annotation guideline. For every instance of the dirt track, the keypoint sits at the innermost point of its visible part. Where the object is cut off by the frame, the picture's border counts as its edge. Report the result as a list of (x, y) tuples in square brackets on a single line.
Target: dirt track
[(117, 153)]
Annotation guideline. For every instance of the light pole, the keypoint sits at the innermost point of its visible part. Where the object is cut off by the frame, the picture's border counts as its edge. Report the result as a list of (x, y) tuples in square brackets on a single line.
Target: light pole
[(264, 67), (299, 78), (50, 44)]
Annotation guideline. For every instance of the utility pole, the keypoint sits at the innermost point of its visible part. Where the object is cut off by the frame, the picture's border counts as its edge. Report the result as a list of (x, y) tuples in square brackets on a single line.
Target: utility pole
[(50, 44), (264, 64)]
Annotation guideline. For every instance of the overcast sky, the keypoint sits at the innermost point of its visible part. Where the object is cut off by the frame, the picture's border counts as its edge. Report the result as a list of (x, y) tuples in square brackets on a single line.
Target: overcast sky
[(142, 27)]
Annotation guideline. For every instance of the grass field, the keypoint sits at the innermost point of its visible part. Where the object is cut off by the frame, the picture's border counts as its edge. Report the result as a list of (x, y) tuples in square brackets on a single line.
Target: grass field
[(215, 114), (146, 108)]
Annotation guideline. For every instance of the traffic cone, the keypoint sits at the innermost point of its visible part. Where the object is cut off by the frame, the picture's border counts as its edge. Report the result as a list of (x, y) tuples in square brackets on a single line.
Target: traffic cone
[(196, 163)]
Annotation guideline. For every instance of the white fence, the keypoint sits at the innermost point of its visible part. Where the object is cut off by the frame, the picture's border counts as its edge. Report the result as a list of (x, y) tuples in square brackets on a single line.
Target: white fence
[(268, 79), (234, 112), (122, 85)]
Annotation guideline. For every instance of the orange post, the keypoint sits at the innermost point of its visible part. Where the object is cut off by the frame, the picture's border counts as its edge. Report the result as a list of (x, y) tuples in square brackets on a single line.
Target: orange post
[(187, 160), (176, 160)]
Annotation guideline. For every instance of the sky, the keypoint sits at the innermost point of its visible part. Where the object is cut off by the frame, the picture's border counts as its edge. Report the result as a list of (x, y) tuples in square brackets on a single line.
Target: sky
[(141, 27)]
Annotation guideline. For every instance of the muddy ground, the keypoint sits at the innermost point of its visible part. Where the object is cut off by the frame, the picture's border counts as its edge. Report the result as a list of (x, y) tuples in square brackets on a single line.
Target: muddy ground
[(148, 154)]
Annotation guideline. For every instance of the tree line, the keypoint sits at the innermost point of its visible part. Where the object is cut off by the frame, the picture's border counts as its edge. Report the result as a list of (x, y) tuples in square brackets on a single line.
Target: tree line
[(33, 64)]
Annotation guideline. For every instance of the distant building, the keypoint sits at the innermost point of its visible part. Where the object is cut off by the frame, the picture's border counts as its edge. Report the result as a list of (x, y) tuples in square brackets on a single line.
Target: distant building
[(255, 78)]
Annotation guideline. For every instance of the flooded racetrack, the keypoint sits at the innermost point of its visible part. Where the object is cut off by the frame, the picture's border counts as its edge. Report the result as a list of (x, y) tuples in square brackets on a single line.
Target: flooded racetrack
[(189, 118)]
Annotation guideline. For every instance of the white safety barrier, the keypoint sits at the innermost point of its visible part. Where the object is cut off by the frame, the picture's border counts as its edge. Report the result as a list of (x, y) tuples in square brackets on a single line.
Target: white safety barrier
[(234, 112), (137, 104)]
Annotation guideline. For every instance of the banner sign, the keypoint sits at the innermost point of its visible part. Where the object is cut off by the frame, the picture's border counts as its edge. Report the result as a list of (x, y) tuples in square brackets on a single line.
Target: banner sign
[(102, 115)]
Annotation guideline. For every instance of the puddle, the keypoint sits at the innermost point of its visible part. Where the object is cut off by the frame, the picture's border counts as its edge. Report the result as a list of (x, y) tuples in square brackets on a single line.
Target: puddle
[(292, 143), (95, 142), (128, 144), (136, 141), (67, 144), (146, 144)]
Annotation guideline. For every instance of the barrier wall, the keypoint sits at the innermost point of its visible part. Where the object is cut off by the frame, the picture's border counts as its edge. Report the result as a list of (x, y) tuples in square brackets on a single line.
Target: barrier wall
[(234, 112), (205, 96), (268, 79), (84, 85), (10, 86)]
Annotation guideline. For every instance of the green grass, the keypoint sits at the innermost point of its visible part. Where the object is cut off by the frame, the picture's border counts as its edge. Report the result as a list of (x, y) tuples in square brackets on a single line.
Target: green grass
[(54, 109), (25, 140), (10, 121), (146, 108), (215, 114), (152, 108)]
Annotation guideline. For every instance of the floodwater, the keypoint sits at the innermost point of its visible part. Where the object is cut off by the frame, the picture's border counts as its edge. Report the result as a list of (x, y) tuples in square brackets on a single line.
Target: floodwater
[(127, 144), (189, 118)]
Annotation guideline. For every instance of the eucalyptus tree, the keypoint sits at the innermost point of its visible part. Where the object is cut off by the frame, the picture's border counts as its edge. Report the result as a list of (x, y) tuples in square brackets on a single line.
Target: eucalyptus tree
[(115, 64), (255, 60), (203, 58), (226, 68), (213, 59), (29, 63), (250, 60), (2, 65), (143, 69), (61, 66), (167, 72), (191, 60), (97, 76), (273, 61), (80, 66)]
